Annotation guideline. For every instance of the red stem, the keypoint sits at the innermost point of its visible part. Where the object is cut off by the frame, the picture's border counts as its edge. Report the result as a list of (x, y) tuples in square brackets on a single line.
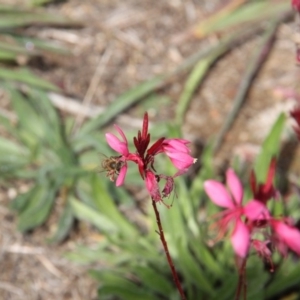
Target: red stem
[(164, 243), (242, 279)]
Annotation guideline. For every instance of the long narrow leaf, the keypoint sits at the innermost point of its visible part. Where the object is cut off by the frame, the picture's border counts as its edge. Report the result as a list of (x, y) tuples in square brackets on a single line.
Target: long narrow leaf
[(26, 76), (106, 205), (83, 212), (38, 209), (121, 103), (270, 148), (64, 225)]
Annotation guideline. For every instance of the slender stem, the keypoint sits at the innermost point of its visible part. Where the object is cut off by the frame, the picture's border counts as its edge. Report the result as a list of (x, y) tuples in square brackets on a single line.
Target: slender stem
[(242, 280), (164, 243)]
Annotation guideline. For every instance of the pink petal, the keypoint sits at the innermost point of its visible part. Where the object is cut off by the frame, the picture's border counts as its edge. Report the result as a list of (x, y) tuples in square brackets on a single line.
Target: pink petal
[(169, 186), (180, 160), (182, 141), (218, 193), (152, 186), (116, 144), (296, 5), (235, 186), (256, 210), (240, 239), (176, 145), (262, 248), (288, 234), (122, 134), (121, 177)]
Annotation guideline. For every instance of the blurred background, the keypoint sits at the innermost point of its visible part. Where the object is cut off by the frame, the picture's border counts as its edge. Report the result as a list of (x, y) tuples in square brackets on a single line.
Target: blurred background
[(218, 73)]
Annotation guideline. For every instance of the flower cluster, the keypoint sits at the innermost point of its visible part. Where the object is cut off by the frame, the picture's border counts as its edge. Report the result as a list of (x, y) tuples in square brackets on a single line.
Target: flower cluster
[(253, 219), (144, 157)]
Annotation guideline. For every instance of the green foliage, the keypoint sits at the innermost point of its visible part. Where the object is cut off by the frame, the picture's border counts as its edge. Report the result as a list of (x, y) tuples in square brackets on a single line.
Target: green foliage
[(36, 148), (17, 47), (43, 152)]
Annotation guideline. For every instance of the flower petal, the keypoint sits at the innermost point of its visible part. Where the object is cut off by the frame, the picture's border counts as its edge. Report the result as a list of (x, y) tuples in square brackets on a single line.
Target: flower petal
[(296, 5), (262, 248), (152, 186), (121, 177), (218, 193), (122, 134), (240, 239), (176, 145), (289, 235), (256, 210), (235, 186), (180, 160), (116, 144)]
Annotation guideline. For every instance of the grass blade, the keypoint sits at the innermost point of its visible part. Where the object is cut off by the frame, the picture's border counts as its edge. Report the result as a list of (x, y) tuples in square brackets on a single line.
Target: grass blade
[(121, 103), (83, 212), (64, 225), (26, 76)]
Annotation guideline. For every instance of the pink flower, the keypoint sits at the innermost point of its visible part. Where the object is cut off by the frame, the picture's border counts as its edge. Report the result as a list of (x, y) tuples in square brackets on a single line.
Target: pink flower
[(232, 201), (144, 157), (285, 236)]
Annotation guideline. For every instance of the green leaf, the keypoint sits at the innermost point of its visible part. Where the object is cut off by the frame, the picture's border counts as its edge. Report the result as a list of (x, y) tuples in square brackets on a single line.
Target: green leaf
[(26, 76), (193, 272), (40, 45), (83, 212), (20, 202), (53, 129), (38, 209), (106, 206), (155, 281), (226, 290), (254, 12), (8, 126), (86, 255), (31, 123), (121, 103), (257, 280), (13, 16), (206, 257), (190, 87), (284, 280), (64, 225), (194, 80), (39, 2), (117, 285), (7, 55), (39, 125), (12, 156), (174, 224), (270, 149), (10, 148)]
